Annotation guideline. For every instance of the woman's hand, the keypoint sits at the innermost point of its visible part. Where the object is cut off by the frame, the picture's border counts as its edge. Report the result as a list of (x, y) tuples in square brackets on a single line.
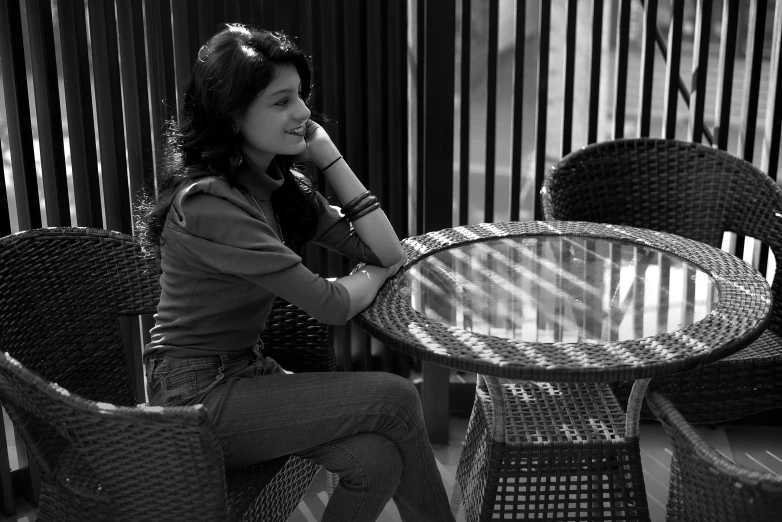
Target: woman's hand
[(320, 149)]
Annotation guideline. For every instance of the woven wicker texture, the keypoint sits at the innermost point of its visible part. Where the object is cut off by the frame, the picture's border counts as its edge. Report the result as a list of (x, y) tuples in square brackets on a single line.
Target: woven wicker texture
[(697, 192), (62, 293), (561, 454), (739, 317), (560, 451), (706, 486)]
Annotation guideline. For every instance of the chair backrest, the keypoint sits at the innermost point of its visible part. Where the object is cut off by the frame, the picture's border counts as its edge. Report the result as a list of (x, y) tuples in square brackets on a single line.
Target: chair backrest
[(62, 292), (672, 186), (142, 456), (707, 486), (297, 341)]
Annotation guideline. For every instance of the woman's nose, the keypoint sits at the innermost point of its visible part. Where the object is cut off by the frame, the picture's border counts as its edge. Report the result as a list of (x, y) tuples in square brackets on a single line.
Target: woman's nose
[(303, 112)]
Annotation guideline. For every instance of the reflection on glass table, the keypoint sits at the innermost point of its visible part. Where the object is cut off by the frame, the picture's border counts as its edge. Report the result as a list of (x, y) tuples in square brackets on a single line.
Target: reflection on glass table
[(559, 289)]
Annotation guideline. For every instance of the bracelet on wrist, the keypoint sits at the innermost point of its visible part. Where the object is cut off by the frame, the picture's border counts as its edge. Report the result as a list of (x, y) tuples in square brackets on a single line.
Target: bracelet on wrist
[(365, 211), (366, 202), (357, 268), (330, 164), (355, 201)]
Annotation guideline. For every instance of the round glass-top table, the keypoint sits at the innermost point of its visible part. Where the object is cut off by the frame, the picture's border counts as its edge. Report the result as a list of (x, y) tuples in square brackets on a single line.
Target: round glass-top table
[(559, 289), (561, 309), (568, 302)]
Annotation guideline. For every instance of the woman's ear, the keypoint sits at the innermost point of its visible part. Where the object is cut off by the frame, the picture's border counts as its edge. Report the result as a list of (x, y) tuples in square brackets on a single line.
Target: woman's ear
[(237, 126)]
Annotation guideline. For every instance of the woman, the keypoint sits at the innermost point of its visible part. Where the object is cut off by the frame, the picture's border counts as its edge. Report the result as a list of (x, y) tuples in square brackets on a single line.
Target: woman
[(230, 216)]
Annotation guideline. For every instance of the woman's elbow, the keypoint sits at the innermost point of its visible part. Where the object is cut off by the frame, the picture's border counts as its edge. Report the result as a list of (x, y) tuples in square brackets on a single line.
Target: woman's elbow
[(393, 257)]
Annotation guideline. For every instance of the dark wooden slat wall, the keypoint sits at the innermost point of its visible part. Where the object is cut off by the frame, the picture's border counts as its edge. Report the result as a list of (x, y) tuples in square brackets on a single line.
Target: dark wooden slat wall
[(672, 69), (700, 69), (518, 111), (769, 160), (594, 75), (541, 106), (161, 85), (47, 108), (111, 136), (80, 116), (569, 78), (647, 67), (20, 132), (491, 112), (752, 71), (724, 97), (620, 67), (435, 147), (464, 111), (138, 135), (127, 148), (773, 117)]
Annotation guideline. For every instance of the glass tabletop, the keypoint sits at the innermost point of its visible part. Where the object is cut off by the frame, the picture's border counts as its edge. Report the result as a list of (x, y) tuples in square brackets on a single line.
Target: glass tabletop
[(559, 289)]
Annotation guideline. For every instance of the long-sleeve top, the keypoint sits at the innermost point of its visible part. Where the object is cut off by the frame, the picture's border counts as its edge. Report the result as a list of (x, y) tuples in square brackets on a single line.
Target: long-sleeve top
[(224, 261)]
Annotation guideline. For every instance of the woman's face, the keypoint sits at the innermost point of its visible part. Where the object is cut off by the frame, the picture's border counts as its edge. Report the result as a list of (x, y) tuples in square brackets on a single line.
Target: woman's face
[(274, 121)]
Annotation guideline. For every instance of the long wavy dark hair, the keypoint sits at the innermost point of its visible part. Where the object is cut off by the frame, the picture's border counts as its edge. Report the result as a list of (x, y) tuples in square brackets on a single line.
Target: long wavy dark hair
[(231, 69)]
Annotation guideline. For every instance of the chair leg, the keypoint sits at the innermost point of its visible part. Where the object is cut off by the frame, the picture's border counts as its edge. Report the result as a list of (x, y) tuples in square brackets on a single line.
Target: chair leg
[(471, 475), (332, 481)]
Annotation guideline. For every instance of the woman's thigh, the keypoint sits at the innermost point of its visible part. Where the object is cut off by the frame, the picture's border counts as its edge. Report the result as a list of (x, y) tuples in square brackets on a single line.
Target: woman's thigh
[(263, 417)]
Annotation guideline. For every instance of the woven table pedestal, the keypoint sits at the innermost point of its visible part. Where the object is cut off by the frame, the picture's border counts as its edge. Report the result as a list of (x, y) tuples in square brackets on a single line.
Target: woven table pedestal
[(556, 451)]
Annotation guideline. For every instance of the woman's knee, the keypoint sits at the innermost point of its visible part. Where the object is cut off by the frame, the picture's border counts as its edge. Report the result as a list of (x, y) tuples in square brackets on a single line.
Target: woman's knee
[(370, 461), (401, 394)]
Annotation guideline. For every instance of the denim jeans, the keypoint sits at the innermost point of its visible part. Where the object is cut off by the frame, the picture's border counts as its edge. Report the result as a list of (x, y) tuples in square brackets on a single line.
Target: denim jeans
[(367, 427)]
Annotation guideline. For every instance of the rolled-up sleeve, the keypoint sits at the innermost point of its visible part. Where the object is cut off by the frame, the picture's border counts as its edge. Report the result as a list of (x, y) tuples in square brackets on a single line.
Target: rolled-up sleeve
[(337, 234)]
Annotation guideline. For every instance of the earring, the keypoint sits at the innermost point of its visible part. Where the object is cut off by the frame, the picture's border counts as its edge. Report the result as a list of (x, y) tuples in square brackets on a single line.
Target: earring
[(236, 160)]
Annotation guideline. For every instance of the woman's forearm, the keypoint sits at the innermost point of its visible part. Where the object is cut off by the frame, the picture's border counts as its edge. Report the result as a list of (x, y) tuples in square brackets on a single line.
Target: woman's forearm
[(374, 229), (363, 285)]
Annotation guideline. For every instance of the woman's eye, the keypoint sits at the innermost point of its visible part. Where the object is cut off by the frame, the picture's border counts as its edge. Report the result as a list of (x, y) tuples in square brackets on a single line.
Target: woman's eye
[(282, 102)]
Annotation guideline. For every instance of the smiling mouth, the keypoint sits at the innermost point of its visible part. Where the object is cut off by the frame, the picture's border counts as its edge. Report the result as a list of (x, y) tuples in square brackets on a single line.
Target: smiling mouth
[(298, 131)]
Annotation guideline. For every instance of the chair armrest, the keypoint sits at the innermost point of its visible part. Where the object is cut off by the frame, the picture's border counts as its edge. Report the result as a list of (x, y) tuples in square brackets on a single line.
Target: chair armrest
[(297, 341)]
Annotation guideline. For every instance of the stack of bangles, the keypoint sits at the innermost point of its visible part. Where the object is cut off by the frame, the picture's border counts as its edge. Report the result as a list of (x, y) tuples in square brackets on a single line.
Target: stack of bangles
[(360, 206)]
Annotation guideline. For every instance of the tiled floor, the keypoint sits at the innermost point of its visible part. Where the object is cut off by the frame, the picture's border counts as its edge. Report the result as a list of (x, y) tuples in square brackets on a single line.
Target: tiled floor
[(756, 447)]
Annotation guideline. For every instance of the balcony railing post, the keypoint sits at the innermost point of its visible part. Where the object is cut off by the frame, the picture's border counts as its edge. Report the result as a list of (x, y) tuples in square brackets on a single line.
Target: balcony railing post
[(436, 147)]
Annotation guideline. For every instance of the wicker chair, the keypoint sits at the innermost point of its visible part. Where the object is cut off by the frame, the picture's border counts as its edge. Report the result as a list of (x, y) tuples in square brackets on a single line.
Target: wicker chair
[(706, 486), (697, 192), (63, 294)]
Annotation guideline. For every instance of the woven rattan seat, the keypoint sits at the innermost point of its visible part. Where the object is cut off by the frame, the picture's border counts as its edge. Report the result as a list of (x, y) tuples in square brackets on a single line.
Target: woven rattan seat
[(63, 294), (706, 486), (547, 452), (697, 192)]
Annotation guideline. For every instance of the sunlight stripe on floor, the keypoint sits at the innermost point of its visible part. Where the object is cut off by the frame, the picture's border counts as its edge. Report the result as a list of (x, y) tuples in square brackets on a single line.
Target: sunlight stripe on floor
[(660, 482), (655, 459), (780, 460), (448, 479), (653, 498), (306, 512), (721, 453), (324, 497), (756, 461)]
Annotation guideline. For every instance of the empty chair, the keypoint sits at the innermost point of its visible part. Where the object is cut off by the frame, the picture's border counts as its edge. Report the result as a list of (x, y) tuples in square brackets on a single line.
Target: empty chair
[(68, 386), (697, 192), (705, 485)]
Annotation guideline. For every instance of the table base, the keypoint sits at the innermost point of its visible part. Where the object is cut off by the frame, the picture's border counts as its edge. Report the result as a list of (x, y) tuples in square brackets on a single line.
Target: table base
[(540, 450)]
